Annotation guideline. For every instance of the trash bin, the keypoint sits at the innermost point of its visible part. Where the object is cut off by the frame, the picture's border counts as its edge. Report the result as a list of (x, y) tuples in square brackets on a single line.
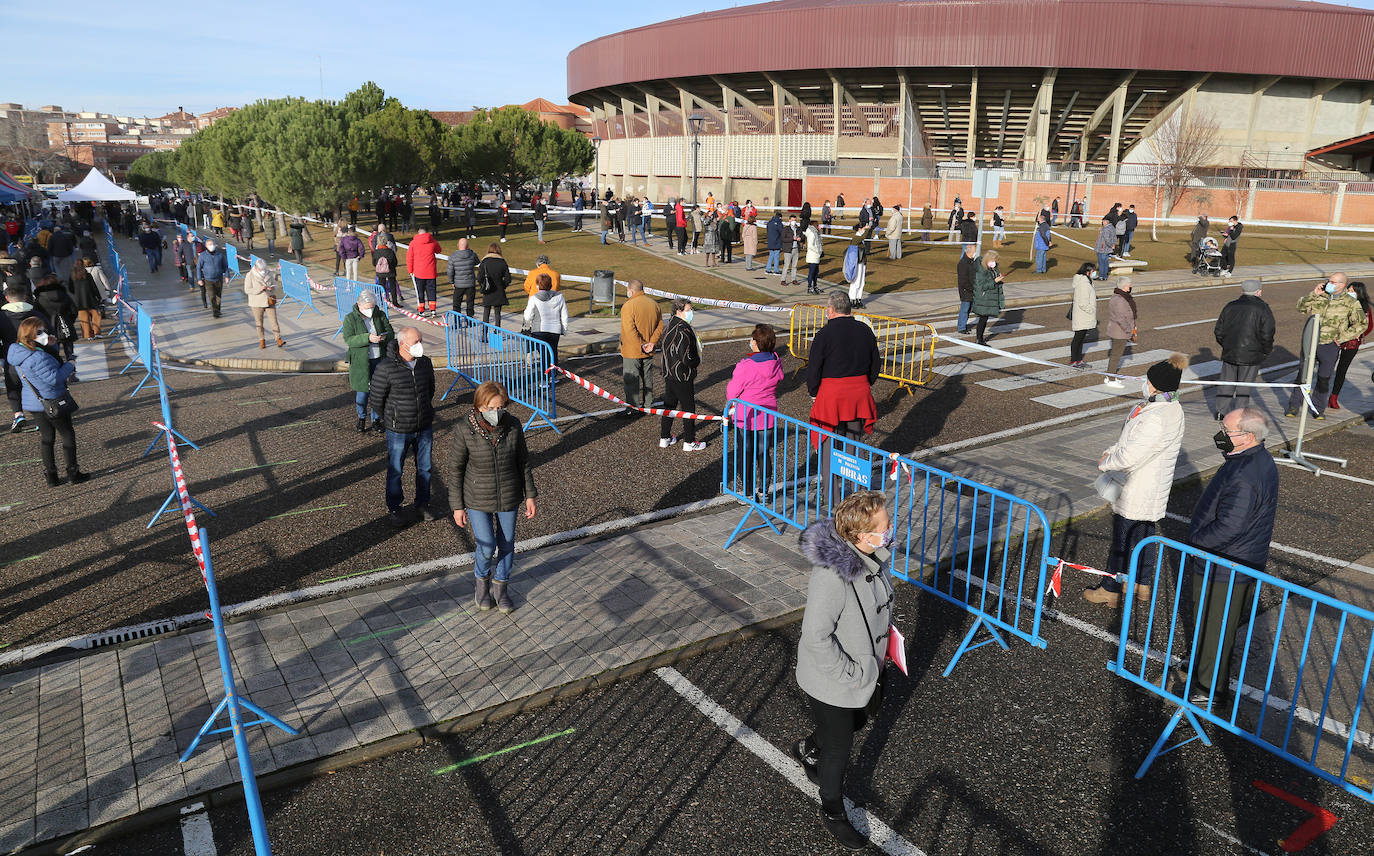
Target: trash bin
[(603, 287)]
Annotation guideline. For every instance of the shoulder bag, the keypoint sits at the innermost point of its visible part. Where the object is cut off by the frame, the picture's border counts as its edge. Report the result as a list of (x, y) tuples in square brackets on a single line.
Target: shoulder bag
[(63, 405)]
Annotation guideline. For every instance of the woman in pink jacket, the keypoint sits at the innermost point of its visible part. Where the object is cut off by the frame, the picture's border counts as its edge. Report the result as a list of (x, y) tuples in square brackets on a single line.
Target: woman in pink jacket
[(755, 380)]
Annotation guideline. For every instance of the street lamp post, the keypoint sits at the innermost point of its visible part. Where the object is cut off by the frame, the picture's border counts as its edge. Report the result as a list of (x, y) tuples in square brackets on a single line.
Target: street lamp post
[(696, 120), (596, 176)]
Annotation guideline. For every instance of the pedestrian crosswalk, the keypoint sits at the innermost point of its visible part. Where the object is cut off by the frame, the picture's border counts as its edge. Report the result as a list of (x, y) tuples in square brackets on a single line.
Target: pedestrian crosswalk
[(1011, 373)]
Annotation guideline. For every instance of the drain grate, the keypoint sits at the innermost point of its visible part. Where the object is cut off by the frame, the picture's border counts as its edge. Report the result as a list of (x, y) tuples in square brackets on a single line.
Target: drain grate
[(127, 634)]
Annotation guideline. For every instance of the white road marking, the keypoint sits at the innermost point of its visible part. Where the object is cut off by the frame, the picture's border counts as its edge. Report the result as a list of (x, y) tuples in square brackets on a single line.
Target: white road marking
[(878, 832), (1186, 324), (197, 838), (1231, 839), (1088, 395)]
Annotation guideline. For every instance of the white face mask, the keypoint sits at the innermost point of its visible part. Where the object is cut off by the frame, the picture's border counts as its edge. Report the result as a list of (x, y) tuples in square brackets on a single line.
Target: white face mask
[(417, 350), (41, 338), (1145, 390), (367, 311), (493, 417)]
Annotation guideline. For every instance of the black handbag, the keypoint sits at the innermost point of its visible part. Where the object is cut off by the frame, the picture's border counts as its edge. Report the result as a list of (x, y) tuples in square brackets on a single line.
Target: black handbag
[(63, 405)]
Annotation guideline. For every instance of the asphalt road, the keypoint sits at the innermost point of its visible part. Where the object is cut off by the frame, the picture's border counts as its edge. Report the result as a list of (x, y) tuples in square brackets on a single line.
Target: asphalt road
[(1023, 752)]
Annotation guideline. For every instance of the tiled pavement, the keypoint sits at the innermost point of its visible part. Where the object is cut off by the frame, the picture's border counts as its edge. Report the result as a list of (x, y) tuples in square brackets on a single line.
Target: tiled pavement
[(97, 738)]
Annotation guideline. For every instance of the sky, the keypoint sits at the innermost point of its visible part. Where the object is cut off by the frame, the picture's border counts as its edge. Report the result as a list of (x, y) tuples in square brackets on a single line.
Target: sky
[(148, 58)]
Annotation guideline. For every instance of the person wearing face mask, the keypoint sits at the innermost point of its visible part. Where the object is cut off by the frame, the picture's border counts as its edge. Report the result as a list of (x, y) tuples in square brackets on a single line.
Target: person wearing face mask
[(1339, 317), (1122, 318), (755, 381), (988, 300), (843, 645), (1138, 473), (212, 266), (43, 377), (368, 333), (402, 394), (1234, 519), (490, 476), (260, 285), (681, 357)]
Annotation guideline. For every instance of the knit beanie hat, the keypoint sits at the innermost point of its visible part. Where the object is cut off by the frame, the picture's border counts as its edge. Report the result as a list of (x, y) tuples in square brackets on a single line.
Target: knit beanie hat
[(1166, 374)]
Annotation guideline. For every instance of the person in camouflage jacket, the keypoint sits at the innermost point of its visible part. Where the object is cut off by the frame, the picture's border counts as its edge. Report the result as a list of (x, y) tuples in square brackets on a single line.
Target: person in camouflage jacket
[(1340, 319)]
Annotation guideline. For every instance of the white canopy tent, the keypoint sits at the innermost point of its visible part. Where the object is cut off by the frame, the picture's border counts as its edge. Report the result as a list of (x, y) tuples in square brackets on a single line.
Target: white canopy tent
[(95, 187)]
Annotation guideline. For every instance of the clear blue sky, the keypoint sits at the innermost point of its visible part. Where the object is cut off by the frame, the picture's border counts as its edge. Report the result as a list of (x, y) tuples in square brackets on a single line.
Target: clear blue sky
[(145, 58)]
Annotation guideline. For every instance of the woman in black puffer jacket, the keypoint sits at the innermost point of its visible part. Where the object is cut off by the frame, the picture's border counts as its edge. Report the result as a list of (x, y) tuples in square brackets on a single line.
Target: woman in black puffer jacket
[(490, 475), (56, 302)]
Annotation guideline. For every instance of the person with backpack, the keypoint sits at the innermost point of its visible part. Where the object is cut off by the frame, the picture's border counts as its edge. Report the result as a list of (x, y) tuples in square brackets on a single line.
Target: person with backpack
[(384, 264)]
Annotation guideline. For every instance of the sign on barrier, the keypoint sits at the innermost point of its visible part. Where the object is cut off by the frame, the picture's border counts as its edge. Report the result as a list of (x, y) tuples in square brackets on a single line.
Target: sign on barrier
[(907, 348), (295, 285), (1300, 688), (979, 548), (478, 352)]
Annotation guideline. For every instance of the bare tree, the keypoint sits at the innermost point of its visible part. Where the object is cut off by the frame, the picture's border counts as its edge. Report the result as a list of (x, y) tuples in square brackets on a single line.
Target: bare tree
[(1181, 148), (24, 148), (1241, 191)]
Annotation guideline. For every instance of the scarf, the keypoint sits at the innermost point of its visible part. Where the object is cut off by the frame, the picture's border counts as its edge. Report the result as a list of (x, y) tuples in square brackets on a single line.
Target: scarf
[(482, 428), (1129, 300)]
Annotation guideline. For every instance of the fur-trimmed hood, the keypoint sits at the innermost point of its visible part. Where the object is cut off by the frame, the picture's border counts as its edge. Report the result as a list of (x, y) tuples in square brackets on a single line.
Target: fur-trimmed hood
[(821, 544)]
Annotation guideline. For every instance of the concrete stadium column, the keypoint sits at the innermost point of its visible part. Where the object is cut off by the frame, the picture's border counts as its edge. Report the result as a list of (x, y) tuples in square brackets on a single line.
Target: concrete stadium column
[(597, 183), (629, 107), (610, 111), (1114, 146), (1044, 102), (972, 140), (725, 180), (685, 174), (777, 143), (1261, 87), (835, 106), (1319, 90)]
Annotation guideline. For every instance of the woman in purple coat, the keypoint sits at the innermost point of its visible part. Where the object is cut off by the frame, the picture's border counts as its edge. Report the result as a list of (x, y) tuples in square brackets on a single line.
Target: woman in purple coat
[(755, 380)]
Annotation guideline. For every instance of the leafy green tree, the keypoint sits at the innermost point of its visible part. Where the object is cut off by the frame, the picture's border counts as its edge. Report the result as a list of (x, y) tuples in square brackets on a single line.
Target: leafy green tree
[(153, 171), (513, 146), (417, 144), (316, 154)]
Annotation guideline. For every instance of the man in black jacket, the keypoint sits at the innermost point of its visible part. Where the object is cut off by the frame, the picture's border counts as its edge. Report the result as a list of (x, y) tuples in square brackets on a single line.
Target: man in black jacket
[(1234, 520), (402, 391), (681, 358), (1230, 238), (966, 270), (968, 229), (1245, 332)]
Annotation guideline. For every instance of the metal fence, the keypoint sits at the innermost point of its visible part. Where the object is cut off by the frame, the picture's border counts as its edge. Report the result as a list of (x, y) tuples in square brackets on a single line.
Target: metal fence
[(907, 347), (979, 548), (478, 352), (1272, 662)]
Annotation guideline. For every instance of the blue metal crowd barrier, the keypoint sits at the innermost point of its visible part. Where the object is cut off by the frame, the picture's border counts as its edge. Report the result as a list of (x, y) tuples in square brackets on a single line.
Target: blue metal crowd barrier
[(295, 285), (478, 352), (346, 293), (1320, 651), (231, 254), (982, 549)]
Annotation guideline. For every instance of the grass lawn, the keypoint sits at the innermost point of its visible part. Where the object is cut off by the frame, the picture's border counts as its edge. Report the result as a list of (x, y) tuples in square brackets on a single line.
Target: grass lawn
[(921, 266)]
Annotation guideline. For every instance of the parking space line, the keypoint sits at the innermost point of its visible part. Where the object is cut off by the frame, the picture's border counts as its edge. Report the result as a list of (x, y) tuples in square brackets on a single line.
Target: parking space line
[(197, 837), (306, 510), (360, 573), (878, 832)]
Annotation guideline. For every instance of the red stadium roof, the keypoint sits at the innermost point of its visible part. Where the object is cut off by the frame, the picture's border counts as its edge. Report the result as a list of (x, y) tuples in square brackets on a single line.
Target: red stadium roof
[(1253, 37)]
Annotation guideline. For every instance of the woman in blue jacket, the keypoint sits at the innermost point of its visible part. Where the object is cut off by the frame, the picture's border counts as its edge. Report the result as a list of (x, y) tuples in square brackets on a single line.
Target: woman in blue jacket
[(42, 375)]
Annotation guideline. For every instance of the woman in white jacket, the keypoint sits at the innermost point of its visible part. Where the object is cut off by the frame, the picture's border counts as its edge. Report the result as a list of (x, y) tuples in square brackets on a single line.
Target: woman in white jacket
[(1083, 315), (546, 313), (1139, 473)]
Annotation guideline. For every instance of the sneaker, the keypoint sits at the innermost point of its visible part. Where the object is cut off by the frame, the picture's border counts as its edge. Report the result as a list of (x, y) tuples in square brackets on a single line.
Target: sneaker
[(1113, 383), (808, 762), (694, 447), (396, 519), (665, 442), (503, 240), (18, 424), (1079, 364), (627, 413), (1290, 413), (362, 425)]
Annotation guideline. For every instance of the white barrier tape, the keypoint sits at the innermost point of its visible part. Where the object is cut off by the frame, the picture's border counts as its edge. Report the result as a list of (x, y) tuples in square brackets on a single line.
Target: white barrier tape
[(653, 411), (1083, 245)]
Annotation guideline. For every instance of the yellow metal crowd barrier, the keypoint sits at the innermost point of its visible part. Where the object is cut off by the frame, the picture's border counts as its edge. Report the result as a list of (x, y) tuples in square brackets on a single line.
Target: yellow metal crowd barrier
[(907, 348)]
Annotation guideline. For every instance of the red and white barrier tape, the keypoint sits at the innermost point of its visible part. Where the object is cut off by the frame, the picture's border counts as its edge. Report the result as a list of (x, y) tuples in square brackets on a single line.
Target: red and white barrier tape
[(653, 411), (1057, 576), (184, 495)]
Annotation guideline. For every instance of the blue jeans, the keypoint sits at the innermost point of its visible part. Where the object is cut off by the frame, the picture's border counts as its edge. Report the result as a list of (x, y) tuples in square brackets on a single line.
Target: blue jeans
[(638, 230), (397, 446), (360, 398), (1126, 241), (772, 266), (1104, 266), (1040, 259), (154, 259), (494, 533), (539, 228), (964, 307)]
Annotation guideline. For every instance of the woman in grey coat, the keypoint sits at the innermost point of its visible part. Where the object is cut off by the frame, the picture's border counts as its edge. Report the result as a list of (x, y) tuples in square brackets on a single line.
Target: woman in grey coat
[(843, 645)]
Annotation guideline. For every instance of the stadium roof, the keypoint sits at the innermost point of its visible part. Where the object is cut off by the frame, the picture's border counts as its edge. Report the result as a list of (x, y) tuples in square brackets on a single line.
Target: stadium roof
[(1252, 37)]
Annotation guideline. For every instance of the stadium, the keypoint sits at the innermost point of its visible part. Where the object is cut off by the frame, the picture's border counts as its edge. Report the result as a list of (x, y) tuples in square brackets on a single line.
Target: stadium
[(799, 99)]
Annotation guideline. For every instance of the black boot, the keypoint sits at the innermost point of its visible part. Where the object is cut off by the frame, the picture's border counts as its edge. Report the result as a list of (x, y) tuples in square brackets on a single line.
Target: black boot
[(482, 596), (845, 834), (804, 753), (503, 601), (53, 479), (77, 477), (362, 424)]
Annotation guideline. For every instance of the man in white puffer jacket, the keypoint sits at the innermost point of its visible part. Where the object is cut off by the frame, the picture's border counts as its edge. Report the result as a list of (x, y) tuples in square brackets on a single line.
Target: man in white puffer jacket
[(1140, 472)]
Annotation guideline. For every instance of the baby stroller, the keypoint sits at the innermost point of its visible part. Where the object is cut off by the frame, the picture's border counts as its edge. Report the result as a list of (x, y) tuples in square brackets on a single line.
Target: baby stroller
[(1207, 260)]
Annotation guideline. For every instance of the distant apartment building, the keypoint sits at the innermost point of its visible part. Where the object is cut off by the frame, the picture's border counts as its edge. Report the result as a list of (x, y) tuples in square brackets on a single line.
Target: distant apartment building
[(566, 116)]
